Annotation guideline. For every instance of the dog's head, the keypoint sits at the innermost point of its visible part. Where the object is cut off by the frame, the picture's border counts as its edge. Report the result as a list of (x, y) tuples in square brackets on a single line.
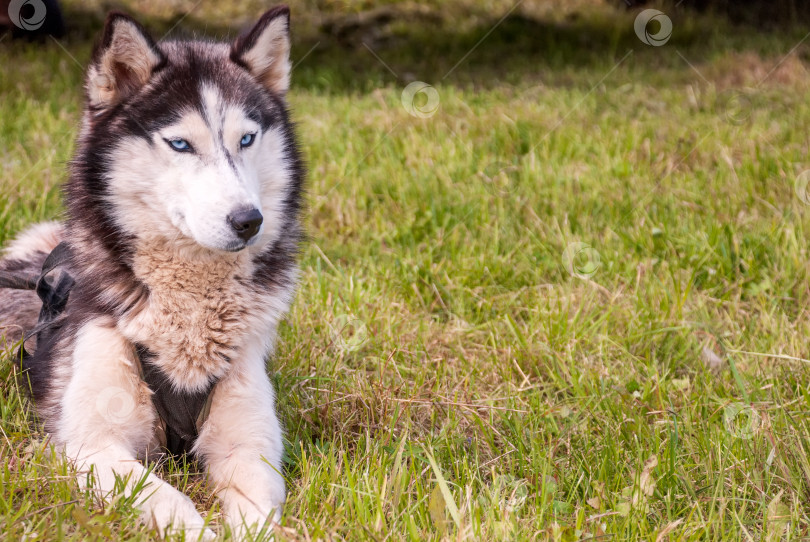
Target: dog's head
[(188, 140)]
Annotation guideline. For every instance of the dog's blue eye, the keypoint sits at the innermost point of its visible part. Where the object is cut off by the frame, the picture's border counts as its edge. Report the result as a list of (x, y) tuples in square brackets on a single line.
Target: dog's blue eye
[(247, 140), (180, 145)]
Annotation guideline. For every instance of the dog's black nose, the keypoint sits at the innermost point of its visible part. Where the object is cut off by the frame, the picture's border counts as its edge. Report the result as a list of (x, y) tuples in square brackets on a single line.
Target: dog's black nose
[(246, 222)]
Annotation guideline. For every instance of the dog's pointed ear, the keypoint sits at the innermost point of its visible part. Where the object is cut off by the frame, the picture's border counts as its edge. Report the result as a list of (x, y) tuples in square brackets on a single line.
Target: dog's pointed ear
[(265, 50), (123, 61)]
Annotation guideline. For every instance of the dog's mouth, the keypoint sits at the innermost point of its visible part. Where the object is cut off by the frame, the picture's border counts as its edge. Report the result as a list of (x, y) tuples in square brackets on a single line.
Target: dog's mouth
[(240, 244), (235, 246)]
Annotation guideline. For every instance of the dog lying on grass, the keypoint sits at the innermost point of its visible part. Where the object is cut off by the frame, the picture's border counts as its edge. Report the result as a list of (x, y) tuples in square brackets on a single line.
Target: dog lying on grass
[(159, 302)]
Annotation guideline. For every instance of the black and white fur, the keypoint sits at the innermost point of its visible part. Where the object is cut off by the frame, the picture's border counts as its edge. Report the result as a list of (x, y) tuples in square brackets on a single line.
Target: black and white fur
[(162, 266)]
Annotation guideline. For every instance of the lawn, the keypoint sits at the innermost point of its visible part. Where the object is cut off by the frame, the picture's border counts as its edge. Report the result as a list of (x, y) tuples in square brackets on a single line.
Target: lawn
[(559, 294)]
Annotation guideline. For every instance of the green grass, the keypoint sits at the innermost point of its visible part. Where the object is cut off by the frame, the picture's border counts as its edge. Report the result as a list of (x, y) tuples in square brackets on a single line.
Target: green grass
[(449, 369)]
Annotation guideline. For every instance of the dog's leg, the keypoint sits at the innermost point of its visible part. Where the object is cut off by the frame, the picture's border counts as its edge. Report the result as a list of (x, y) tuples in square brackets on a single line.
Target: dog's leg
[(107, 418), (241, 445)]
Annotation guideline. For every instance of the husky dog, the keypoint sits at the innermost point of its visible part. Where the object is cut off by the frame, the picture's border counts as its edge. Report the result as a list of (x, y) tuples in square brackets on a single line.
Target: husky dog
[(181, 239)]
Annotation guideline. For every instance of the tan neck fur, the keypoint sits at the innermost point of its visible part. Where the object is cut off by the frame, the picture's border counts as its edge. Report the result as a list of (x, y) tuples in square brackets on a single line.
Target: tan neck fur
[(196, 314)]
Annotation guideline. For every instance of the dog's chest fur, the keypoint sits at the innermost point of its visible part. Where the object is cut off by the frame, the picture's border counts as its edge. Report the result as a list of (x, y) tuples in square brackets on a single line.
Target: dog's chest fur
[(197, 314)]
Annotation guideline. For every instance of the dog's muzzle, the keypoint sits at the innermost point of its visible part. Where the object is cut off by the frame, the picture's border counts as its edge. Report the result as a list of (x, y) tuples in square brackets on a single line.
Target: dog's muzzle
[(246, 223)]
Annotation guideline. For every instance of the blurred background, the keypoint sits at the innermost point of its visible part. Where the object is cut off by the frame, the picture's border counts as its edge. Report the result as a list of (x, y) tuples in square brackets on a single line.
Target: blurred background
[(528, 38)]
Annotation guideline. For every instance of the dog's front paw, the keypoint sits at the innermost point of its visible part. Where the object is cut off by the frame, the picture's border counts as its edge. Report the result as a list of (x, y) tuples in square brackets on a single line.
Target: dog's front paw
[(249, 521), (173, 512)]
